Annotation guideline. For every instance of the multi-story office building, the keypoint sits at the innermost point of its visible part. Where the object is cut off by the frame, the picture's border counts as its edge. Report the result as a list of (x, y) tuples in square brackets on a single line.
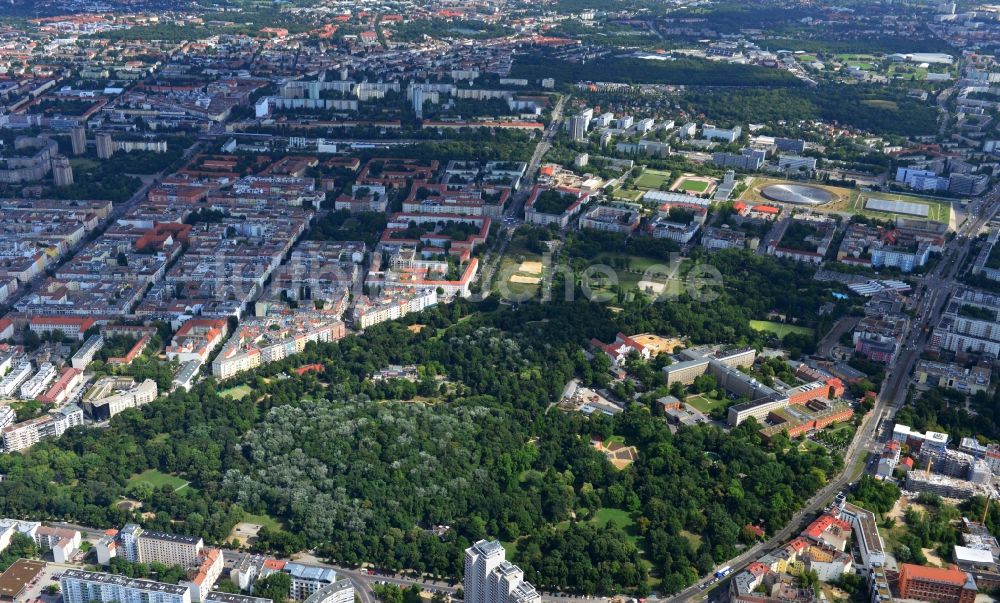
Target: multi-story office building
[(794, 162), (111, 395), (936, 584), (490, 578), (969, 324), (80, 586), (710, 132), (309, 579)]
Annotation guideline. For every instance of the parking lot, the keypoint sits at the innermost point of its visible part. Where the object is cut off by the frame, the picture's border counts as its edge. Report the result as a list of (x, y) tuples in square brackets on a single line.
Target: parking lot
[(35, 590)]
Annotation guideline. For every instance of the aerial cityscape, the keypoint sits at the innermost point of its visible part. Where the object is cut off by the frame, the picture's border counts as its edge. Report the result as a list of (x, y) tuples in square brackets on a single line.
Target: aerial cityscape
[(498, 301)]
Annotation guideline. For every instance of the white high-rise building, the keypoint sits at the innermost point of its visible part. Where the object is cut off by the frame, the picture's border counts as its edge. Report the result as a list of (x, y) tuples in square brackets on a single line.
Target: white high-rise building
[(480, 561), (578, 128), (490, 578)]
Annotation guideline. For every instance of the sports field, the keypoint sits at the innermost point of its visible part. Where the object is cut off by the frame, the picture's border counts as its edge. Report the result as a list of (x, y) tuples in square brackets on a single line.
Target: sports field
[(778, 328), (693, 186), (697, 185), (652, 179), (937, 211)]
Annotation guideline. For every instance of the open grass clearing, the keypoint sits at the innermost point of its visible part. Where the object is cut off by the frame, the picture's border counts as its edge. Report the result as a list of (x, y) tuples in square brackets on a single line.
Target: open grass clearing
[(236, 393), (704, 404), (779, 329), (158, 479)]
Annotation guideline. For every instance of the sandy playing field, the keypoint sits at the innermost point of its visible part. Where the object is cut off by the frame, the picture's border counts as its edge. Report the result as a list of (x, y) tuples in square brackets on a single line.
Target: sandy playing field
[(652, 286), (530, 267), (657, 344), (525, 280)]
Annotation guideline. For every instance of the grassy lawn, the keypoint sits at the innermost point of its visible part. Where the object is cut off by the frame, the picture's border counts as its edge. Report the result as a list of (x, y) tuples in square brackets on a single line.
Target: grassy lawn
[(636, 263), (83, 164), (704, 404), (881, 104), (652, 179), (630, 195), (778, 328), (264, 520), (158, 479), (509, 267), (693, 538), (236, 393), (621, 518)]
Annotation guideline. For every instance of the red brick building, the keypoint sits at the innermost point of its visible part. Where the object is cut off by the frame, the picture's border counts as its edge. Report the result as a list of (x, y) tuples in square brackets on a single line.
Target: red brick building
[(936, 584)]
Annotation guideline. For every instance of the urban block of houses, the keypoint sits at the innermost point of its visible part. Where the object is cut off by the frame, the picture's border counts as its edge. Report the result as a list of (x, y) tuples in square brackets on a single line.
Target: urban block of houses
[(806, 239), (553, 205), (619, 218), (263, 340), (196, 339)]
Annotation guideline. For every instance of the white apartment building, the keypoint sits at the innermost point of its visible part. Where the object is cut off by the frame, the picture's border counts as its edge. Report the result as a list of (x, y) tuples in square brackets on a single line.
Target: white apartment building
[(12, 382), (201, 579), (9, 527), (393, 307), (341, 591), (710, 132), (135, 544), (169, 549), (79, 586), (62, 542), (28, 433), (36, 386), (85, 355), (7, 416), (970, 324), (490, 578)]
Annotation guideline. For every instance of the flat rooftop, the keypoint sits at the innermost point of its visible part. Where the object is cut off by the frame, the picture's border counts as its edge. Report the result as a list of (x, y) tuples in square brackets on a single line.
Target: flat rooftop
[(146, 585), (16, 578)]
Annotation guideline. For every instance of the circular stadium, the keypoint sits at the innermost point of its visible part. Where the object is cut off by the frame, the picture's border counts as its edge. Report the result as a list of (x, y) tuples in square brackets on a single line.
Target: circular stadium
[(797, 194)]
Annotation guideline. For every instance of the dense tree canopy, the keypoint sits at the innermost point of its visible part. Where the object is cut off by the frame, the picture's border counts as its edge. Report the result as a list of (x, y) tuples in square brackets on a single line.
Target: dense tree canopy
[(348, 469)]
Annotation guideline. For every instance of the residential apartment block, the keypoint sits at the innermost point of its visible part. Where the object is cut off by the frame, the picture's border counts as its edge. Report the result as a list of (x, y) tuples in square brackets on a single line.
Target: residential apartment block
[(135, 544), (969, 324), (78, 586), (28, 433)]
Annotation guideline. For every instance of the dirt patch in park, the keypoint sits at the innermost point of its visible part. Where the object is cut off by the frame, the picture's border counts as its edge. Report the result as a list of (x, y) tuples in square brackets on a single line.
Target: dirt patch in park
[(530, 267)]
